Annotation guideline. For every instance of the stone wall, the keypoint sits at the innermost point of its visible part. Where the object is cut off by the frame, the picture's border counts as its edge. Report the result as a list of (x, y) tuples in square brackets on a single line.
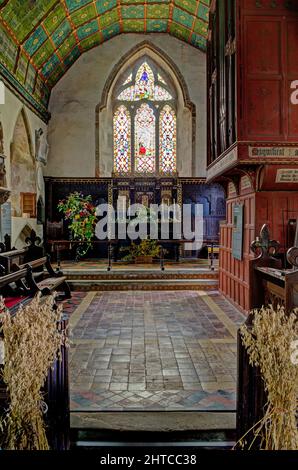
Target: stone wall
[(72, 132), (9, 114)]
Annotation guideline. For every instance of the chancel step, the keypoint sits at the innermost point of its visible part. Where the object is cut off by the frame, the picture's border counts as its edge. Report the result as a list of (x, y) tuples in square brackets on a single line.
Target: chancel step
[(142, 279)]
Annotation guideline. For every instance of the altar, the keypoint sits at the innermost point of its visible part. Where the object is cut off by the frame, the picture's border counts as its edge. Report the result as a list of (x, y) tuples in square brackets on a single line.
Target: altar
[(171, 192)]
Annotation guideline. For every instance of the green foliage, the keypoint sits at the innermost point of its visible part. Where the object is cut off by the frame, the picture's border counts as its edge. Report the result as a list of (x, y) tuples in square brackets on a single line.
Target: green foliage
[(81, 213), (145, 248)]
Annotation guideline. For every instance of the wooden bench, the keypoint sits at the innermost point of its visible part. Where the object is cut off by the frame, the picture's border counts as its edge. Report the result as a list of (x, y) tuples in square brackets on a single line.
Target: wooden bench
[(21, 256), (42, 278), (9, 258), (14, 288)]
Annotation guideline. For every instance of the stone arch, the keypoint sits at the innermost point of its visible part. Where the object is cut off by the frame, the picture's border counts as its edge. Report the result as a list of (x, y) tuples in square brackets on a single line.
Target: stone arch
[(186, 115), (22, 163), (23, 235)]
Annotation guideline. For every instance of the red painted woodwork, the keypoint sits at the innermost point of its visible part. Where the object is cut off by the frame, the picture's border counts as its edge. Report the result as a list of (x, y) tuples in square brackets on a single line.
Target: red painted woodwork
[(274, 208), (265, 66), (234, 274)]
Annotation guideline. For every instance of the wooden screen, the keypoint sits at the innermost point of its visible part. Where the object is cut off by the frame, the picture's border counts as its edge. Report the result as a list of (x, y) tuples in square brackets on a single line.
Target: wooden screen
[(28, 204)]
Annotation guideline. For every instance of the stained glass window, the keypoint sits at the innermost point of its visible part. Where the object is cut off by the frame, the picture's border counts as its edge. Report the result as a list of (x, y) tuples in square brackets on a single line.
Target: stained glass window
[(145, 122), (167, 140), (145, 140), (128, 94), (122, 140), (161, 94), (144, 87)]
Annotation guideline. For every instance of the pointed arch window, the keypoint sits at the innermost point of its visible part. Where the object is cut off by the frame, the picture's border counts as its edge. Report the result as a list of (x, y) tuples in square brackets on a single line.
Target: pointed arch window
[(144, 123)]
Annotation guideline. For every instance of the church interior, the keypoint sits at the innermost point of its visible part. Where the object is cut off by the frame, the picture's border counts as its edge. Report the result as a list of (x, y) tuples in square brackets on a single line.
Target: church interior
[(148, 223)]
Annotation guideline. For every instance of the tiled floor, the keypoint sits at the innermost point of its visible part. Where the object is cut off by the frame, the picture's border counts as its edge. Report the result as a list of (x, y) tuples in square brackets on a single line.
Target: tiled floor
[(165, 350)]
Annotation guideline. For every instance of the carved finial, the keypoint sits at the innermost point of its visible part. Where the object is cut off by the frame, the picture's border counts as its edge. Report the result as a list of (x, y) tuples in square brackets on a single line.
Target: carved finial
[(33, 239), (292, 256), (262, 246)]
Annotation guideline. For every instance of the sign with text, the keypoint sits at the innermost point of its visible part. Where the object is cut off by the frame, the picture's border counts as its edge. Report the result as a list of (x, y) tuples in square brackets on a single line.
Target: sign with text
[(287, 175), (5, 219), (290, 152), (237, 239), (223, 164)]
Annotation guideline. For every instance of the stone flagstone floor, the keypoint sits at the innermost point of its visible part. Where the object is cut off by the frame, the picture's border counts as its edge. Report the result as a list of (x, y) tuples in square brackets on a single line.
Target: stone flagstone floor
[(164, 350)]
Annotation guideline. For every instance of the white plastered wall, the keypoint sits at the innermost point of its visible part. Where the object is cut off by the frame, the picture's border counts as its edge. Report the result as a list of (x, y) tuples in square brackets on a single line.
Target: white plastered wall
[(9, 113)]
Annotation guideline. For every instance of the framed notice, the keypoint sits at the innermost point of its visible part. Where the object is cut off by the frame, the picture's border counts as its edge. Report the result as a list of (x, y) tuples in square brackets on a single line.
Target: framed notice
[(5, 219), (237, 238)]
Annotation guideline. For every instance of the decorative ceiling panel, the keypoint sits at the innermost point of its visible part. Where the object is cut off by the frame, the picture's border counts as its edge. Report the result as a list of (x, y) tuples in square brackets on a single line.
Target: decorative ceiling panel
[(41, 39)]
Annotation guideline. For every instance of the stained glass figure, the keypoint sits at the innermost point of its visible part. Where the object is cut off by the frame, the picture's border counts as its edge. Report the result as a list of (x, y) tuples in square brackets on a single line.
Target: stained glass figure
[(167, 140), (145, 140), (122, 140), (144, 87)]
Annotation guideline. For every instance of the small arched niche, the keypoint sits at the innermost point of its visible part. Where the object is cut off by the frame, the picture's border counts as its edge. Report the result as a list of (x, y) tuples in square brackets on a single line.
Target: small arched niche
[(22, 168), (164, 70)]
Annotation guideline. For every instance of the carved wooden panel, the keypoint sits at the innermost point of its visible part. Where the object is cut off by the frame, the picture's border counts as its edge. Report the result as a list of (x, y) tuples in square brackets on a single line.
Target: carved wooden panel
[(292, 41), (266, 57), (264, 108)]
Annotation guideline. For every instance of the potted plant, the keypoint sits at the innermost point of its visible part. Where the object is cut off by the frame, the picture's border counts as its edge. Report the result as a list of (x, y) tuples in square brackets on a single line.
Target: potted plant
[(81, 213), (143, 252)]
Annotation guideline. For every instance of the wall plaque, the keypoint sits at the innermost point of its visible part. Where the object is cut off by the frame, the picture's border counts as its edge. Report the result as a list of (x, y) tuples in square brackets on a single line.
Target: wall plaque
[(273, 152), (287, 175), (245, 183), (237, 238), (5, 219)]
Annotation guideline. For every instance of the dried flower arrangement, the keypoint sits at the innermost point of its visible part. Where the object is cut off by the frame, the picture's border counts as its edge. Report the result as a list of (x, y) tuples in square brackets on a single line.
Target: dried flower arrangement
[(31, 342), (268, 343)]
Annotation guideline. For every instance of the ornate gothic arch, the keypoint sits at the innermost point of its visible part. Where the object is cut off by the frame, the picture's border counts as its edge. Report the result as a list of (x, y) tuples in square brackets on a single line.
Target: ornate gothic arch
[(166, 63)]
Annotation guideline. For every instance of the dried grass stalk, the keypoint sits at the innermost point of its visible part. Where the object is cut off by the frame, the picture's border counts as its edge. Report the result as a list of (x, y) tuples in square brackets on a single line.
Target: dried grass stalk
[(32, 343), (268, 343)]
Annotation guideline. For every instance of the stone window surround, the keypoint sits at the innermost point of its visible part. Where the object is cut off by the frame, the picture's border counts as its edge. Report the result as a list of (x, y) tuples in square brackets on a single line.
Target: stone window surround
[(104, 110)]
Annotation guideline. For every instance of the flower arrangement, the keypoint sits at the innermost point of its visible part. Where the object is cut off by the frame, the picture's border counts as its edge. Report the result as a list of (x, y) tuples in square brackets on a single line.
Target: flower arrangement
[(268, 343), (31, 344), (147, 248), (81, 213)]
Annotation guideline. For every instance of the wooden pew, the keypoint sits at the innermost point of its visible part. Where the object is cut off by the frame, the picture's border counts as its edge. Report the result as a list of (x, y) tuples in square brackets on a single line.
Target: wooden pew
[(21, 256), (45, 280), (9, 258)]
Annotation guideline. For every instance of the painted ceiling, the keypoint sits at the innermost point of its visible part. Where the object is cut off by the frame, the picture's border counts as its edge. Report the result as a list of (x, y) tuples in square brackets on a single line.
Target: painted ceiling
[(41, 39)]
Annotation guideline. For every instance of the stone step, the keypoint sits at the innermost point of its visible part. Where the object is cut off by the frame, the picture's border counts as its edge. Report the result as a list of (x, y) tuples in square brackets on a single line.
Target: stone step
[(123, 274), (143, 284), (208, 430), (141, 276)]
